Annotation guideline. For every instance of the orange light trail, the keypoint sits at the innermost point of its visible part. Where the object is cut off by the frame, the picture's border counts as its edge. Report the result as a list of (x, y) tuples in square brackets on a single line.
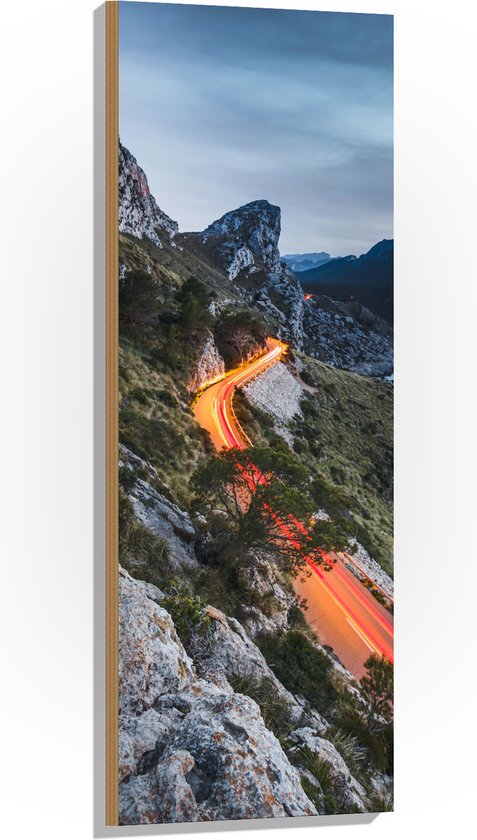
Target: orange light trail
[(220, 409)]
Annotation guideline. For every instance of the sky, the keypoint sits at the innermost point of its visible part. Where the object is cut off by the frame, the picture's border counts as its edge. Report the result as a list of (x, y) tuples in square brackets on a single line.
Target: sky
[(222, 106)]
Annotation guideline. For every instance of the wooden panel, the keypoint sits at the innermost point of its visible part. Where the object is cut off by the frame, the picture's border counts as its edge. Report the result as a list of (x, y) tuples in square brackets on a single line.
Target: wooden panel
[(112, 634)]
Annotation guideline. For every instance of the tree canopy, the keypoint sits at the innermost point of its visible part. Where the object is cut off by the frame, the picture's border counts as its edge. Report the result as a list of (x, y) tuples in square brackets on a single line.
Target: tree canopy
[(238, 334), (138, 298), (377, 687), (259, 498)]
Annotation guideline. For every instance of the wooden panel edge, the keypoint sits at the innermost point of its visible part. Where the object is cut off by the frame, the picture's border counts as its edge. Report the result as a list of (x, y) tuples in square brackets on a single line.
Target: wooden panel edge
[(112, 630)]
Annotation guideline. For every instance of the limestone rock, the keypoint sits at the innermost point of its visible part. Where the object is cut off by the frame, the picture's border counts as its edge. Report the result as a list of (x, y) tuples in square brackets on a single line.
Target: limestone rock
[(209, 365), (139, 214), (349, 793), (167, 521), (255, 226), (152, 661), (207, 754), (278, 393)]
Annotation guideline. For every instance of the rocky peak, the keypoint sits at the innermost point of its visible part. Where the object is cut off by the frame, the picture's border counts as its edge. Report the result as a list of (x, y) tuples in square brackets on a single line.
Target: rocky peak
[(247, 236), (383, 250), (139, 214)]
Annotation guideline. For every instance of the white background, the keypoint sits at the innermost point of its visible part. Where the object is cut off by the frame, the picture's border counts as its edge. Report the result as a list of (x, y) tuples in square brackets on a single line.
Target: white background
[(47, 419)]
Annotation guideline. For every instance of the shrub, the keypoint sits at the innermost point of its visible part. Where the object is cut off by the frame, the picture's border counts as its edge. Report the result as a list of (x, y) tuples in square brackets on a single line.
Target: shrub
[(377, 688), (238, 334), (324, 799), (166, 398), (308, 378), (349, 748), (138, 298), (188, 614), (225, 585), (301, 667), (141, 553), (378, 745), (275, 713), (152, 439), (139, 395)]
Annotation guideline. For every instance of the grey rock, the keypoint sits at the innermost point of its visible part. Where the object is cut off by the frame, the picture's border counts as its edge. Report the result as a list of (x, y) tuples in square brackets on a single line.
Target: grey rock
[(152, 661), (208, 366), (167, 521), (277, 393), (253, 229), (139, 214), (207, 752), (349, 793)]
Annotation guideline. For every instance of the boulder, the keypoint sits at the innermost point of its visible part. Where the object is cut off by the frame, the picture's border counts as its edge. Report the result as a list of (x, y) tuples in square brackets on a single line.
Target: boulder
[(191, 749), (349, 793)]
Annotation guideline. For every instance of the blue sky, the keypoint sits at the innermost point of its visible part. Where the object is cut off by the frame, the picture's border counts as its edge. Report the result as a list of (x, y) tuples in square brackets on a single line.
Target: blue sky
[(222, 106)]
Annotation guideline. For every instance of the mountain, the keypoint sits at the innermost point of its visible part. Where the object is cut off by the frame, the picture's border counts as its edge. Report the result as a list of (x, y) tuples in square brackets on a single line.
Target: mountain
[(229, 705), (243, 244), (302, 262), (367, 279), (139, 214), (247, 236), (237, 258)]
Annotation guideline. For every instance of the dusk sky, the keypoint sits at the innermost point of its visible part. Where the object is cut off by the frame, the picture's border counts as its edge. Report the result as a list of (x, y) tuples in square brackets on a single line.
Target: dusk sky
[(222, 106)]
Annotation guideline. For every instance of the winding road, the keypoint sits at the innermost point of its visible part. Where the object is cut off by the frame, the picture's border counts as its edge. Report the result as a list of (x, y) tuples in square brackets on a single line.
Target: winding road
[(341, 610)]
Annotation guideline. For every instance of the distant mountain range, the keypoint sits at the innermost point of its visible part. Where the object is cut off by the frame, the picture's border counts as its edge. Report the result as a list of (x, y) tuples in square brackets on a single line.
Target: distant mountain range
[(367, 279), (302, 262)]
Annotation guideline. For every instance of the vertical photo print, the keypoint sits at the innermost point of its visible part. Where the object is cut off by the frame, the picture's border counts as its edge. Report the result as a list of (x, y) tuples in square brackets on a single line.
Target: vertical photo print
[(253, 577)]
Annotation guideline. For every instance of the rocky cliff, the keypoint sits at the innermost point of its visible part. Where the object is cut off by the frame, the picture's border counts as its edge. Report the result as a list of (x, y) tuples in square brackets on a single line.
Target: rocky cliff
[(244, 242), (347, 335), (242, 248), (252, 231), (190, 748), (208, 366), (197, 741), (139, 214)]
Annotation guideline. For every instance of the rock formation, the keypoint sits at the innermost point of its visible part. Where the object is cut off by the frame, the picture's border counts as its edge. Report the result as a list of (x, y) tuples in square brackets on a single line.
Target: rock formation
[(243, 246), (209, 365), (190, 749), (139, 214)]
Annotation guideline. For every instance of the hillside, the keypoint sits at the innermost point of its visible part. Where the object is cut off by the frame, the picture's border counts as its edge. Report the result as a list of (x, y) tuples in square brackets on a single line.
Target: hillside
[(367, 279), (211, 628)]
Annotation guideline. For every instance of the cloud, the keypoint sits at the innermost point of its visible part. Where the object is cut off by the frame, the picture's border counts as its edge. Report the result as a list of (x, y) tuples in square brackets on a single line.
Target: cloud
[(222, 106)]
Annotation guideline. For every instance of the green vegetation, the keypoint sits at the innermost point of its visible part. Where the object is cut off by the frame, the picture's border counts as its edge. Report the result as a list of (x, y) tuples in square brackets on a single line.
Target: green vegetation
[(275, 713), (324, 796), (350, 750), (225, 582), (155, 421), (239, 335), (378, 746), (377, 687), (301, 667), (164, 317), (141, 553), (372, 728), (346, 439), (263, 505), (189, 616)]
